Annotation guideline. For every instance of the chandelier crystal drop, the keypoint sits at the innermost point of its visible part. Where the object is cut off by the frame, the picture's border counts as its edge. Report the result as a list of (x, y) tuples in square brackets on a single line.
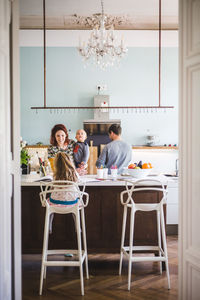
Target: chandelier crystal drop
[(102, 48)]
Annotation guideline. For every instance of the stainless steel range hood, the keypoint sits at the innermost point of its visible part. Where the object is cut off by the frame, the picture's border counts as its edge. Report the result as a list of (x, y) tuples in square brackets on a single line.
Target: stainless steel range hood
[(93, 127), (101, 121)]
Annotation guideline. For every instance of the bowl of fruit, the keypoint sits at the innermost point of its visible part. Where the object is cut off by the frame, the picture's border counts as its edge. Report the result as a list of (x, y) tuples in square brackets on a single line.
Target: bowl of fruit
[(140, 170)]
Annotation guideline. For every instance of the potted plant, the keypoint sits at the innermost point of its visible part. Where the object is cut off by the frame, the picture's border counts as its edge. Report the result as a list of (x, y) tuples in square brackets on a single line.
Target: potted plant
[(24, 158)]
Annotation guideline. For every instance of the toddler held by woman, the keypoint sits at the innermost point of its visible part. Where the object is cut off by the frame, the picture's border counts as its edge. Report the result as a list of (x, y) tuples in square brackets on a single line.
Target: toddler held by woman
[(81, 150)]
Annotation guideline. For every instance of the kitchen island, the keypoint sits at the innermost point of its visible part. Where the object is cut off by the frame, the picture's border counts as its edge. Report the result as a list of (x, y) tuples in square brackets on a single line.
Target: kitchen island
[(103, 218)]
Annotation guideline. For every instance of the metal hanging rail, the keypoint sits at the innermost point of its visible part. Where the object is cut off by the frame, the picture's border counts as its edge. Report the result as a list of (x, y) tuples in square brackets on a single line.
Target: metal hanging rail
[(44, 35), (159, 56), (100, 107), (53, 108)]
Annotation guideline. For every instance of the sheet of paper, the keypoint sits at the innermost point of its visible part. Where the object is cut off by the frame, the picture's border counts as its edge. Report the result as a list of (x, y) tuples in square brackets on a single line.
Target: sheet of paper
[(45, 178), (89, 179)]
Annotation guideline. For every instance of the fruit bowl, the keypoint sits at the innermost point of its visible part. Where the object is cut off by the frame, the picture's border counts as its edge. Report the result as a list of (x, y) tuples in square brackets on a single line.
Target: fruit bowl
[(137, 173)]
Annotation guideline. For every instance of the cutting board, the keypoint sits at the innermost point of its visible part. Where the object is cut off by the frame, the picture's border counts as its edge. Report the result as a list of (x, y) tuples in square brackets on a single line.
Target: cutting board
[(92, 160)]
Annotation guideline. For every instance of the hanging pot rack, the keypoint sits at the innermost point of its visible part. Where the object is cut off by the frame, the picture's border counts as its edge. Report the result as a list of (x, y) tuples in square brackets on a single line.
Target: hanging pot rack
[(151, 108)]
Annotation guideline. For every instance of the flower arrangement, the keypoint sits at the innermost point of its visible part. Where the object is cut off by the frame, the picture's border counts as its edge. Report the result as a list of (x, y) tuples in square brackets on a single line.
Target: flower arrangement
[(114, 167), (101, 167)]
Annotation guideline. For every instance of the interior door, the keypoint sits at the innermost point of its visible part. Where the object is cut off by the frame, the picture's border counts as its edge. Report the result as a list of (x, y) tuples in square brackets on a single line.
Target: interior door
[(5, 177), (189, 104), (10, 216)]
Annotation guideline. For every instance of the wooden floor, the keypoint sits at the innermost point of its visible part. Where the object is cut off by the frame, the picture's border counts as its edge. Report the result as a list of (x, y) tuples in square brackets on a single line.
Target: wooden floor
[(104, 282)]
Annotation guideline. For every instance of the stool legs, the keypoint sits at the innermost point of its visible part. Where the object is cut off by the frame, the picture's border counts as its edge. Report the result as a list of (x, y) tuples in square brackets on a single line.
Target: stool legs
[(165, 246), (50, 219), (159, 236), (131, 246), (84, 241), (123, 238), (128, 201), (79, 251), (44, 252), (81, 256), (129, 250)]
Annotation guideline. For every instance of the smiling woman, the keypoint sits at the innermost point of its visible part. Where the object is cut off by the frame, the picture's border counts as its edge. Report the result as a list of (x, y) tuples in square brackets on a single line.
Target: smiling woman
[(60, 142)]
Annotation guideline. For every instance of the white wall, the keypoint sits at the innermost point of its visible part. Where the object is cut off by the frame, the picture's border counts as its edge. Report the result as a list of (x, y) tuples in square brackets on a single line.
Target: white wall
[(163, 161), (135, 82)]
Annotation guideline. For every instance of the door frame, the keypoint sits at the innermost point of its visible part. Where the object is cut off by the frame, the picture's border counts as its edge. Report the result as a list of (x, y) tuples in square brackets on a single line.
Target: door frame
[(10, 212), (189, 145)]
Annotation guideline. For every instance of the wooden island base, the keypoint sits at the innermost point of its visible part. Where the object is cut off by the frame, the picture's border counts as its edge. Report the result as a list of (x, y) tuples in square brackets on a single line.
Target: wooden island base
[(103, 221)]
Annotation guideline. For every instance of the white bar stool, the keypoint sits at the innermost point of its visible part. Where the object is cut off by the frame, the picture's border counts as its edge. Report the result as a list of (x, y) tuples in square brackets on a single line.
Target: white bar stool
[(127, 200), (77, 210)]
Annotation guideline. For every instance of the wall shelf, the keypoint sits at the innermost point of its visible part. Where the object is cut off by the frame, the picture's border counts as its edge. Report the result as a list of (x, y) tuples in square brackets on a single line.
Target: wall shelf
[(37, 146), (155, 147)]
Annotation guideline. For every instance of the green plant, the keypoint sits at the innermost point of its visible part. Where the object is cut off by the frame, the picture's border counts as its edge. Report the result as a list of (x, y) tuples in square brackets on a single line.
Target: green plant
[(24, 156)]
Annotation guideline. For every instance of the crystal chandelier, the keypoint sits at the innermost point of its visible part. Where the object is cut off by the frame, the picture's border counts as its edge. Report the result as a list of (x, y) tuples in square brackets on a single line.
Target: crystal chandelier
[(101, 48)]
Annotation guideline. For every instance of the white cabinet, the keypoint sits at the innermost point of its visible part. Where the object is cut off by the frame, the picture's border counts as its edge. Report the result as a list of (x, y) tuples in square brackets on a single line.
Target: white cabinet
[(172, 205)]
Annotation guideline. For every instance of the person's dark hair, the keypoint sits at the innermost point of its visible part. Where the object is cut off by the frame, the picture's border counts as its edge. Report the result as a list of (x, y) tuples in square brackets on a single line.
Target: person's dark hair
[(56, 128), (116, 128)]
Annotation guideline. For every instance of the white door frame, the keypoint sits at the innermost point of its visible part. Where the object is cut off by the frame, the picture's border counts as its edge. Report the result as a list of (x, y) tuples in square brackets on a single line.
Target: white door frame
[(189, 142), (16, 221), (10, 212), (189, 124)]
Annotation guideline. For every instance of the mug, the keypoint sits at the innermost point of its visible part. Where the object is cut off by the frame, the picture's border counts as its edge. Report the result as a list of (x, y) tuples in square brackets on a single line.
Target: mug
[(100, 173), (105, 173), (114, 173)]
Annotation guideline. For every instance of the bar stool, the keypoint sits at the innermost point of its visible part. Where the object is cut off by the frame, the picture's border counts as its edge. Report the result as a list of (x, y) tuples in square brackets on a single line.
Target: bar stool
[(127, 200), (76, 208)]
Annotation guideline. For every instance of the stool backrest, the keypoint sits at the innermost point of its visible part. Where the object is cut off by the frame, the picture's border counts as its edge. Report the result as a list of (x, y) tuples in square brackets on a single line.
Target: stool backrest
[(63, 186), (143, 185)]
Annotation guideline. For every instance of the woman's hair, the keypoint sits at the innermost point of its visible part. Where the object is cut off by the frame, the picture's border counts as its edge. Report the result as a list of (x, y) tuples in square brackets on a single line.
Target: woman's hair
[(56, 128), (64, 168)]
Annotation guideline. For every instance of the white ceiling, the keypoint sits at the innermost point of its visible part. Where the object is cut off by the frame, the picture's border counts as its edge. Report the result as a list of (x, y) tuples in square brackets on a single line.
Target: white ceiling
[(128, 14), (88, 7)]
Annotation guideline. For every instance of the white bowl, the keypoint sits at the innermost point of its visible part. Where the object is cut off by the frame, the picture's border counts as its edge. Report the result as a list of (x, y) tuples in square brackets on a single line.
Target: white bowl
[(137, 173)]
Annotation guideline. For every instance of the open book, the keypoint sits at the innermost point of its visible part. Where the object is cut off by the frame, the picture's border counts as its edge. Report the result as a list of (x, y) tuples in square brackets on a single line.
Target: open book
[(45, 178)]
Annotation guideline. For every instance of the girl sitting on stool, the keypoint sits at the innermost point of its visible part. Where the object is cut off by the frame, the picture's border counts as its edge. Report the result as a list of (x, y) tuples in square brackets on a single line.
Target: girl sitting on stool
[(64, 170)]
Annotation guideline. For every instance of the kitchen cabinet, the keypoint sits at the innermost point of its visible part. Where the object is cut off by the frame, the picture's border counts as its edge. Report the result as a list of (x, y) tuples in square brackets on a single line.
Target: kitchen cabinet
[(103, 220), (172, 205)]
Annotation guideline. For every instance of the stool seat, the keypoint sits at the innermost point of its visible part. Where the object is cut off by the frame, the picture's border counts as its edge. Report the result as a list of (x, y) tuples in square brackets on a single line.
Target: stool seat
[(70, 190), (127, 200)]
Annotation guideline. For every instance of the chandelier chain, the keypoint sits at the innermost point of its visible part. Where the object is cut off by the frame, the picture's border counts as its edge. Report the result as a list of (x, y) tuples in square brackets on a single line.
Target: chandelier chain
[(102, 8)]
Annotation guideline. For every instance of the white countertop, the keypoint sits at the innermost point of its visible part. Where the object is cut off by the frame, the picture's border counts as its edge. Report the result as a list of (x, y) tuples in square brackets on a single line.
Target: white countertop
[(91, 180)]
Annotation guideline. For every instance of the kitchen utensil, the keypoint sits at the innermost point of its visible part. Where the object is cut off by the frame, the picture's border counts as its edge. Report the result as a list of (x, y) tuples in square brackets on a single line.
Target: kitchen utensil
[(152, 140)]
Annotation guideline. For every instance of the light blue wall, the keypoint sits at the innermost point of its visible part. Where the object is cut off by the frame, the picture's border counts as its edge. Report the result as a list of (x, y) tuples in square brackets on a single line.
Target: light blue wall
[(135, 82)]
